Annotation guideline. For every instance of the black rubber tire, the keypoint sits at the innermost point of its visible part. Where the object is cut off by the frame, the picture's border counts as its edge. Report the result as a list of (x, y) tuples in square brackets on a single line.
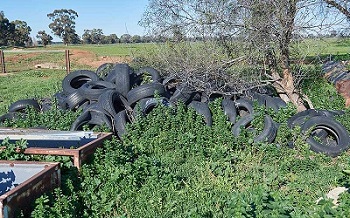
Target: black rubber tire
[(144, 91), (76, 79), (267, 135), (61, 100), (111, 101), (120, 76), (260, 98), (270, 103), (151, 71), (94, 116), (279, 102), (184, 94), (103, 70), (244, 106), (21, 105), (92, 90), (202, 109), (146, 105), (230, 109), (75, 100), (331, 126), (120, 121), (300, 118), (9, 116), (332, 113)]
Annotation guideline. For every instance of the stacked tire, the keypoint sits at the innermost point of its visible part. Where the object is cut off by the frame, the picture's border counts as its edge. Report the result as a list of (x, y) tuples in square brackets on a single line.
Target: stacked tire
[(324, 133), (115, 95)]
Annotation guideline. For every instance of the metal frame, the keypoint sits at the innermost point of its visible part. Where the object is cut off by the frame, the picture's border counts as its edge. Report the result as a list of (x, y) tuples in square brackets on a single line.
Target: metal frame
[(79, 154), (19, 198)]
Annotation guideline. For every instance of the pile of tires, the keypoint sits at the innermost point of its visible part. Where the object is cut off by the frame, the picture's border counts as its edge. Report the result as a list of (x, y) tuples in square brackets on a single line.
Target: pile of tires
[(115, 95), (325, 134)]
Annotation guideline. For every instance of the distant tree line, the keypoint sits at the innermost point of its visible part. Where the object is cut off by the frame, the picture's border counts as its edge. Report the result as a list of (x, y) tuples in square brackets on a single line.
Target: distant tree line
[(17, 32)]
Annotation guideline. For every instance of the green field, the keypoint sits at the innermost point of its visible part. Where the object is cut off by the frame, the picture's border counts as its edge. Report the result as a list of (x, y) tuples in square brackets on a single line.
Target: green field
[(170, 164)]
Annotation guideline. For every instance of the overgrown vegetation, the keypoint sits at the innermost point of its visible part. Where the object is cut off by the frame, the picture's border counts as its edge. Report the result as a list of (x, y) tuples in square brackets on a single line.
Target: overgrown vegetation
[(164, 169), (170, 164)]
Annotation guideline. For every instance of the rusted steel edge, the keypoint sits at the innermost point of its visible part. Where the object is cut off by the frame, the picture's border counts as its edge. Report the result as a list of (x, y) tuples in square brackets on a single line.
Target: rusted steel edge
[(79, 154), (33, 183)]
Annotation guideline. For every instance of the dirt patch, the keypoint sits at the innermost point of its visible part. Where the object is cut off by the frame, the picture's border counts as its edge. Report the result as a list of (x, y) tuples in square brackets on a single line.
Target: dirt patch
[(20, 57), (90, 59)]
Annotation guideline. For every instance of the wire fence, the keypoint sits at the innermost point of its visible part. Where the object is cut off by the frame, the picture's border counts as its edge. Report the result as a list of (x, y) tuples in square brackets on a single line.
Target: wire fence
[(21, 60)]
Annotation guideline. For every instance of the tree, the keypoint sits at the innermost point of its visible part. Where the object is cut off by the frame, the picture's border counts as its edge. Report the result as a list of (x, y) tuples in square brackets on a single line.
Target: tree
[(44, 38), (341, 6), (260, 32), (63, 25), (21, 34), (111, 39), (135, 39), (125, 38), (7, 29)]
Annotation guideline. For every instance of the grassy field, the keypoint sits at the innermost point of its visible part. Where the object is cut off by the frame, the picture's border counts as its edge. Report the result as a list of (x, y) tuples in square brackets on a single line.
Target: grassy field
[(24, 80)]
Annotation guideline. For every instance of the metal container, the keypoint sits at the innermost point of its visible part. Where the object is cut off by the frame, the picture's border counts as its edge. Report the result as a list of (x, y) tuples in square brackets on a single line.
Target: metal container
[(21, 182), (77, 144)]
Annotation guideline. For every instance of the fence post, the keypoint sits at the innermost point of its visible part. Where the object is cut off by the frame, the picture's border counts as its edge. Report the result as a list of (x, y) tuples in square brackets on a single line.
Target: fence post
[(67, 61), (2, 61)]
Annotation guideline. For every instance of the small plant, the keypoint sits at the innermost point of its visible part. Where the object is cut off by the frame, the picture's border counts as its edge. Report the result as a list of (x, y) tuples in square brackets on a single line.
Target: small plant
[(13, 150)]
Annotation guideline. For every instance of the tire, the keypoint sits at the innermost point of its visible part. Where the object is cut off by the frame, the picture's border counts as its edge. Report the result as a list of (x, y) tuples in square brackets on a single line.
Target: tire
[(111, 101), (76, 79), (103, 70), (146, 105), (202, 109), (268, 134), (21, 105), (120, 76), (279, 102), (94, 116), (260, 98), (120, 121), (270, 103), (75, 100), (144, 91), (92, 90), (182, 94), (244, 106), (9, 116), (300, 118), (61, 100), (333, 128), (151, 71), (332, 113), (230, 110)]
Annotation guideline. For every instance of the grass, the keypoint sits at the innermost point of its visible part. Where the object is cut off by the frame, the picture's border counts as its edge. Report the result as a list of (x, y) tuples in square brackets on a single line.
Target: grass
[(29, 84), (320, 49)]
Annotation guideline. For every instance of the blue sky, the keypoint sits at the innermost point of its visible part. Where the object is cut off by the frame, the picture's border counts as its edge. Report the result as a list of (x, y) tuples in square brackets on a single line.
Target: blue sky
[(112, 16)]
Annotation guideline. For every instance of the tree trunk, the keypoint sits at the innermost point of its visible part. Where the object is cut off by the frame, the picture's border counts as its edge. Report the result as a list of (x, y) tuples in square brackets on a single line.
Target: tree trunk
[(286, 89)]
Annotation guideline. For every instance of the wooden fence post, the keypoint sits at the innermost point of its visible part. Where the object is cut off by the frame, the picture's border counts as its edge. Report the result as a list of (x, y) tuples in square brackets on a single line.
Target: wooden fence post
[(2, 61), (67, 61)]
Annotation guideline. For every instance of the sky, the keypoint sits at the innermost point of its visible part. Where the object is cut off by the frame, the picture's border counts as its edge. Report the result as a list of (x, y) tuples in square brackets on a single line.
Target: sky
[(112, 16)]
